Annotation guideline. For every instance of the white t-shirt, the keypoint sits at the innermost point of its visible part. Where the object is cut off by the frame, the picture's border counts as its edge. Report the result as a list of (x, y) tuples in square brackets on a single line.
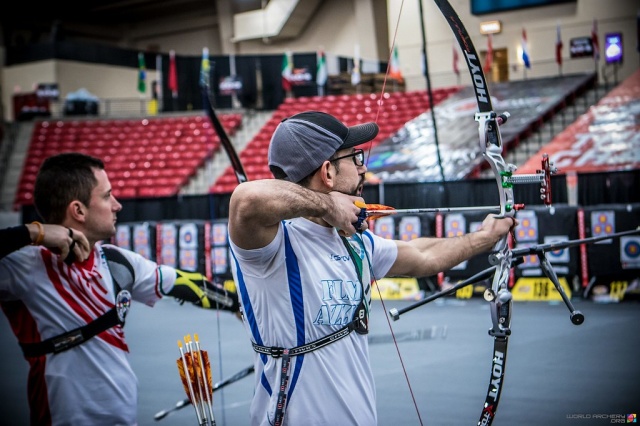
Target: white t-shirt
[(296, 293), (92, 383)]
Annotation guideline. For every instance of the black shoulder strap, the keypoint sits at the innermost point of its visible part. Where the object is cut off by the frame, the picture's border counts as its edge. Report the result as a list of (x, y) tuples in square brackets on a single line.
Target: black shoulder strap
[(121, 269), (123, 276)]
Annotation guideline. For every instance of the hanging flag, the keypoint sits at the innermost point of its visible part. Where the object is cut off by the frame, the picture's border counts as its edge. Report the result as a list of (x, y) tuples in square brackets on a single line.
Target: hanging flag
[(142, 74), (638, 31), (456, 69), (321, 70), (594, 41), (488, 59), (355, 71), (558, 46), (525, 50), (395, 72), (205, 68), (173, 74), (158, 89), (287, 71), (154, 105)]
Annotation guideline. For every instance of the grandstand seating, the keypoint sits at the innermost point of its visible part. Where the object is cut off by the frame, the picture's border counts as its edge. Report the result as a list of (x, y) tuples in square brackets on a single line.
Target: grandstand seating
[(148, 157), (391, 113), (603, 139)]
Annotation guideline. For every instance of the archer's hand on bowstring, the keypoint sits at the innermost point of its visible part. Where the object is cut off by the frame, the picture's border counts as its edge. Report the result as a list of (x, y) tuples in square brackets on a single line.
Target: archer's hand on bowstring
[(195, 288), (345, 215), (69, 243)]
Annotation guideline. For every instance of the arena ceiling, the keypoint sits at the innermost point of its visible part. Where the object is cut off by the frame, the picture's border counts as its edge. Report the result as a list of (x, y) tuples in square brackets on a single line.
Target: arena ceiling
[(29, 22)]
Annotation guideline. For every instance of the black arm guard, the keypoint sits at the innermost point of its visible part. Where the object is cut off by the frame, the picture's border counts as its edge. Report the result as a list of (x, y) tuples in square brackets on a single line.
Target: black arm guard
[(195, 288)]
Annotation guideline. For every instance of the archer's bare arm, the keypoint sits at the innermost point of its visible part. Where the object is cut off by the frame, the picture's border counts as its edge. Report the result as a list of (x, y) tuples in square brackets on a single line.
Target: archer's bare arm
[(257, 207), (428, 256)]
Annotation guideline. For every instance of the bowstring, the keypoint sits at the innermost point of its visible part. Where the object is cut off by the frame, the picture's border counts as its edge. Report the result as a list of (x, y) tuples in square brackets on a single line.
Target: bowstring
[(386, 76), (373, 276)]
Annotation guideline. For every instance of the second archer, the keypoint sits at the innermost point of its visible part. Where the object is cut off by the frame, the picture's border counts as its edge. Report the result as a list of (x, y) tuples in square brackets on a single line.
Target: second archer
[(304, 272)]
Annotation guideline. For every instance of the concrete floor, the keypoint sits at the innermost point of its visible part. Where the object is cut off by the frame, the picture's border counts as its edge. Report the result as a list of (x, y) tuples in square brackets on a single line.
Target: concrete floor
[(556, 373)]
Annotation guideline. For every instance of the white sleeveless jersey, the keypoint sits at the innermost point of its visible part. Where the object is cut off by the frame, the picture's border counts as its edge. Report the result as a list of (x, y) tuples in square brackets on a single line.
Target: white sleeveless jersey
[(301, 287), (92, 383)]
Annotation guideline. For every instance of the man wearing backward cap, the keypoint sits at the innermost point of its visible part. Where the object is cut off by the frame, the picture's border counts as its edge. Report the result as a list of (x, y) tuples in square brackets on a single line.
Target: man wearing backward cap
[(304, 272)]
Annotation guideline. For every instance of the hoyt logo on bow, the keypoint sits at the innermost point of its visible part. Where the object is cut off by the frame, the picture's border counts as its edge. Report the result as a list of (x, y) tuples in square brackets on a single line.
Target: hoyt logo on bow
[(477, 77)]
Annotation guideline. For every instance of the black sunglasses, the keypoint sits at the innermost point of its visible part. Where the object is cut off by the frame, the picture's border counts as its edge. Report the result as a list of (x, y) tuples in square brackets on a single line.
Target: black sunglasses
[(358, 157)]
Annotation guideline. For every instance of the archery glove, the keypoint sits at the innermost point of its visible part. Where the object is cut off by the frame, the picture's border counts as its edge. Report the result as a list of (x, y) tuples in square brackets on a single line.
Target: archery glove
[(195, 288)]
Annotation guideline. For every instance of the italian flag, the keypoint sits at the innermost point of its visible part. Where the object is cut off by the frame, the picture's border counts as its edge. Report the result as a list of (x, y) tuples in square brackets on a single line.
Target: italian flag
[(287, 70), (321, 72), (395, 66)]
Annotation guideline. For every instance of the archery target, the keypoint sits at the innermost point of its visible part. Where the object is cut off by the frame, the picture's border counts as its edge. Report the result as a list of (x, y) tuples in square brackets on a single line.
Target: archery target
[(123, 236), (189, 259), (219, 234), (527, 229), (168, 236), (454, 225), (529, 261), (409, 228), (219, 260), (384, 227), (142, 240), (189, 236), (630, 252), (602, 224), (557, 256)]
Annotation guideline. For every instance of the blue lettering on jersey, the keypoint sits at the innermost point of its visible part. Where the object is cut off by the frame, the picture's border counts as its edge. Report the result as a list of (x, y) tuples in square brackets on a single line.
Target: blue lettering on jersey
[(336, 314), (332, 313)]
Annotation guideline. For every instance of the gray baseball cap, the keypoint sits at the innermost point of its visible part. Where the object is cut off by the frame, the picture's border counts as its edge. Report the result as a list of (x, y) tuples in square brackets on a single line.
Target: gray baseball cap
[(302, 142)]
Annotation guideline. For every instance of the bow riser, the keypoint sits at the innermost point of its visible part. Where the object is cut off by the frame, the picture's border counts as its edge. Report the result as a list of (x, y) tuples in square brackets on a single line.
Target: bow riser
[(491, 147)]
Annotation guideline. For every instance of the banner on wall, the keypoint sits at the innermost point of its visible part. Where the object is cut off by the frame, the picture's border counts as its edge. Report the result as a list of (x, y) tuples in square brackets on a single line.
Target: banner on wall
[(230, 85), (539, 289)]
